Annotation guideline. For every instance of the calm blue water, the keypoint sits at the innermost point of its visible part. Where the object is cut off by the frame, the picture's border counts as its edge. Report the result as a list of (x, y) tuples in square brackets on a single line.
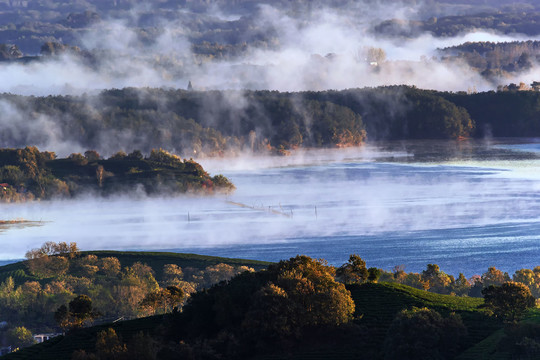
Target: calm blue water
[(464, 206)]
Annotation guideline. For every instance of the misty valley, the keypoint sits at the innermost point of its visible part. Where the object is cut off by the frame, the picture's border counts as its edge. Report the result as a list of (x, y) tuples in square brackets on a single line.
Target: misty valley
[(269, 179)]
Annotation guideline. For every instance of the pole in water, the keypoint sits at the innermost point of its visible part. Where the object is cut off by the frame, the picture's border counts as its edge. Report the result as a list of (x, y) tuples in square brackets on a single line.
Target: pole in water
[(316, 212), (188, 219)]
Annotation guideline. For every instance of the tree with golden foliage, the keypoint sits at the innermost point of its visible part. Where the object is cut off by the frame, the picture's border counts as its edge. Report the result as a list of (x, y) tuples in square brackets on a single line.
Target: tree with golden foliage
[(508, 301), (494, 276), (163, 300), (302, 293)]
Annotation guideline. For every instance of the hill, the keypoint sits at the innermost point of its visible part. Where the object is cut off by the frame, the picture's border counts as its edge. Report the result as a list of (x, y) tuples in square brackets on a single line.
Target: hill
[(380, 303), (376, 307), (28, 174), (32, 290)]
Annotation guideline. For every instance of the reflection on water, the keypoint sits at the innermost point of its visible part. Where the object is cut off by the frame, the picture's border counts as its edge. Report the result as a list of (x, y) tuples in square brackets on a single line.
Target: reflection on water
[(464, 205)]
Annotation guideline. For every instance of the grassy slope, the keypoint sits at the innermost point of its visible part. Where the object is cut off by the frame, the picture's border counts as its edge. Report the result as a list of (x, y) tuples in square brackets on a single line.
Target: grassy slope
[(377, 304), (154, 259), (488, 348)]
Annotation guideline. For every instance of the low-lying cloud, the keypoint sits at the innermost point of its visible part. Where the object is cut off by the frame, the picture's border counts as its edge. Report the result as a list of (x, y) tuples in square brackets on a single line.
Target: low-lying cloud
[(323, 49)]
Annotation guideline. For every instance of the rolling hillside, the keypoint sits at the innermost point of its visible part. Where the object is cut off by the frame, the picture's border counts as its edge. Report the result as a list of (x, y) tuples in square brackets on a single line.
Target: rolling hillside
[(376, 307)]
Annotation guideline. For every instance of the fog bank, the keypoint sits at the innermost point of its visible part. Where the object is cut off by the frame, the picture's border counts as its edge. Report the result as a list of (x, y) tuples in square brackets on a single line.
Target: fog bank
[(318, 50)]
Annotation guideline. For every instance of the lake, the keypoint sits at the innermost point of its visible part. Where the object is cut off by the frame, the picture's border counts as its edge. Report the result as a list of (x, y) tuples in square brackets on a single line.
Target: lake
[(465, 205)]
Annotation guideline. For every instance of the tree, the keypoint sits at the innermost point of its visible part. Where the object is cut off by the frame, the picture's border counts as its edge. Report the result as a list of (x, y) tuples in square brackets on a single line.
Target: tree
[(51, 248), (79, 311), (12, 175), (508, 301), (301, 294), (374, 274), (353, 271), (61, 316), (135, 155), (162, 300), (494, 276), (461, 286), (528, 278), (91, 155), (272, 308), (109, 345), (424, 334), (120, 155), (20, 337), (435, 279), (110, 266), (377, 55), (78, 159), (172, 274)]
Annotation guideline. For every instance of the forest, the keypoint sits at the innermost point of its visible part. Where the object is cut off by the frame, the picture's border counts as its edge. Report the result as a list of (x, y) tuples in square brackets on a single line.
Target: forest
[(31, 24), (495, 59), (523, 21), (218, 123), (212, 308), (28, 174)]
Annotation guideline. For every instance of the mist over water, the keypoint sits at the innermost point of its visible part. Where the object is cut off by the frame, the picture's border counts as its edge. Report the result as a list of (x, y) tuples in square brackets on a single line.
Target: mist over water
[(475, 206)]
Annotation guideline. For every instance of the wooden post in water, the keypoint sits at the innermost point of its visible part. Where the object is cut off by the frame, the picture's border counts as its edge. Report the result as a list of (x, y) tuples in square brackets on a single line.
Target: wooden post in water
[(316, 217)]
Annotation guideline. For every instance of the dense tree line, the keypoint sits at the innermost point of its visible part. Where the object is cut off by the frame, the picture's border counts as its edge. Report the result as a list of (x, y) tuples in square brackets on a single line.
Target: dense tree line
[(214, 123), (503, 113), (523, 21), (495, 58)]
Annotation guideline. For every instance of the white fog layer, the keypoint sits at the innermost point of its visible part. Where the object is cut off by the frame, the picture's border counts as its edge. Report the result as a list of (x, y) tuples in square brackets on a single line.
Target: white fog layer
[(322, 49), (464, 215)]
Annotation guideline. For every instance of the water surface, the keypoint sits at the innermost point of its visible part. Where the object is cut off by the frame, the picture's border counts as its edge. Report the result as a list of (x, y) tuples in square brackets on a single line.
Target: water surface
[(463, 205)]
